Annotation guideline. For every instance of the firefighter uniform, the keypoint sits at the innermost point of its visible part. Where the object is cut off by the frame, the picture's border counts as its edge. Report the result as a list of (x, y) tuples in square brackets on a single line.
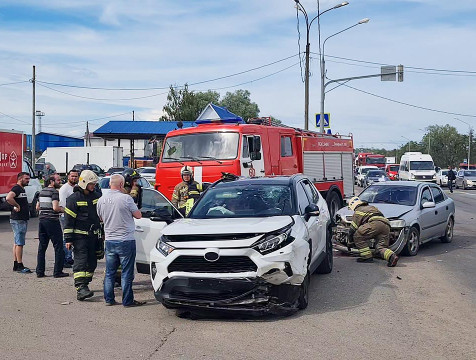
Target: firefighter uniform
[(186, 192), (369, 223), (83, 229)]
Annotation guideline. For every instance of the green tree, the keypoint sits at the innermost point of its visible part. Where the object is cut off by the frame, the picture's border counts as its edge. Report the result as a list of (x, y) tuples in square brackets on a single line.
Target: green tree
[(239, 103), (183, 104), (448, 147)]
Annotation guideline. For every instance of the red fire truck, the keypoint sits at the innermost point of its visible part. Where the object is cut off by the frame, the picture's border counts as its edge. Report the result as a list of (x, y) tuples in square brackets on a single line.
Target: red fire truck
[(364, 159), (257, 150)]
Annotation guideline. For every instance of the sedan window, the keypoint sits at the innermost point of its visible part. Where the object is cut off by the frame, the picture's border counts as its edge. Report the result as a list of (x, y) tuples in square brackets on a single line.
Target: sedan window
[(312, 195), (426, 196), (152, 200), (437, 194)]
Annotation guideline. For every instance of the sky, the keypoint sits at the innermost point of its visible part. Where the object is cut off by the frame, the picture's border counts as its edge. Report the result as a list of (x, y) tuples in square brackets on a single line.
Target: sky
[(100, 60)]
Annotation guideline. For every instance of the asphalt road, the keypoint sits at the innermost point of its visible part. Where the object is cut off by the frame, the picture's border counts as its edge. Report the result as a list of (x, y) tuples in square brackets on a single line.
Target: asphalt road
[(425, 308)]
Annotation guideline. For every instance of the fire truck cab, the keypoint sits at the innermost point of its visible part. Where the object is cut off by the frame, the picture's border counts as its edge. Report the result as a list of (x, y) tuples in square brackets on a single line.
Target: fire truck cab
[(258, 149)]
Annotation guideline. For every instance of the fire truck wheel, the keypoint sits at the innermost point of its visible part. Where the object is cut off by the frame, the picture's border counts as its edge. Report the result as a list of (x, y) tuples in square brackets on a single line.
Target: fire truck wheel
[(333, 203)]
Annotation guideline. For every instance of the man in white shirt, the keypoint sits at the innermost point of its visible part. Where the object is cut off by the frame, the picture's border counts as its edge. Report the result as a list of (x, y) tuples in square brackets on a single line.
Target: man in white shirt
[(117, 210), (65, 191)]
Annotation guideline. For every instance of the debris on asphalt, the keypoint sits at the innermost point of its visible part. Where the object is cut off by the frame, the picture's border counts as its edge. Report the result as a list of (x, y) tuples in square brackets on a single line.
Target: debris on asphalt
[(66, 303), (399, 278)]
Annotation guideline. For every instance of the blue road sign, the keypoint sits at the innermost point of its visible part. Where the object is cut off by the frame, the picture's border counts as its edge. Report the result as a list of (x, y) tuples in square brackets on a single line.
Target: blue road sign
[(327, 117)]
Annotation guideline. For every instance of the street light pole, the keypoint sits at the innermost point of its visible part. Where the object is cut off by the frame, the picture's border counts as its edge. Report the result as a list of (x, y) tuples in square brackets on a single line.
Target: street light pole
[(323, 71), (409, 141), (301, 8), (429, 139), (469, 140)]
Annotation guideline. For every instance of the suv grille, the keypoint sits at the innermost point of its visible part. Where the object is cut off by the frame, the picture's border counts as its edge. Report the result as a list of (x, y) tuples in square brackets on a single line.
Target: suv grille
[(224, 264)]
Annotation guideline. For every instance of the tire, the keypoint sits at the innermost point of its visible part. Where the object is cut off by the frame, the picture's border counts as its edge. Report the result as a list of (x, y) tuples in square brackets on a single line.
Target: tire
[(334, 203), (33, 211), (448, 237), (464, 186), (303, 299), (325, 267), (413, 242)]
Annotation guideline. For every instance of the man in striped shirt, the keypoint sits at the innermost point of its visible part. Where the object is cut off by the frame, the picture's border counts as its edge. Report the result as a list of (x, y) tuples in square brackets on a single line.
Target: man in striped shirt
[(50, 228)]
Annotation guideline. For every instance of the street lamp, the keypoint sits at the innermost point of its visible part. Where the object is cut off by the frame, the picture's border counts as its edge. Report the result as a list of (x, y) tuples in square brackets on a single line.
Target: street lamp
[(323, 70), (429, 139), (469, 139), (409, 141), (300, 8)]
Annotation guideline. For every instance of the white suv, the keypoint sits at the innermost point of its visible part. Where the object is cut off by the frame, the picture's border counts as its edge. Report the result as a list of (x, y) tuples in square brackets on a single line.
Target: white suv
[(247, 245)]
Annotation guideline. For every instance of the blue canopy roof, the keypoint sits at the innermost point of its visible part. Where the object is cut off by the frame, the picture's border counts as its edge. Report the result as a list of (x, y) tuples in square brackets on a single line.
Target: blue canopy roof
[(213, 113), (138, 129)]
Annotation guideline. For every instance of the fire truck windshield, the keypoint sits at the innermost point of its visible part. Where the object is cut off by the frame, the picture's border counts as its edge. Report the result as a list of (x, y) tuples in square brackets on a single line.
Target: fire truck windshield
[(201, 146), (373, 160)]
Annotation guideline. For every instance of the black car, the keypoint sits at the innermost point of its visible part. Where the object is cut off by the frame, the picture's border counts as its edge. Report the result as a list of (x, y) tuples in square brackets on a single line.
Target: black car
[(116, 170), (93, 167)]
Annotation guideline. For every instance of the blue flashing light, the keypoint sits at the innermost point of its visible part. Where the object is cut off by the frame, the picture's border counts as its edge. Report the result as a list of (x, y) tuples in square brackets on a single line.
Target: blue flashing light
[(237, 120)]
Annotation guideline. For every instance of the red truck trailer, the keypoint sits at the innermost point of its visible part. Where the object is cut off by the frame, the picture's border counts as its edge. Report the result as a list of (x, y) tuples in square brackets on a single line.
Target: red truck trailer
[(258, 150)]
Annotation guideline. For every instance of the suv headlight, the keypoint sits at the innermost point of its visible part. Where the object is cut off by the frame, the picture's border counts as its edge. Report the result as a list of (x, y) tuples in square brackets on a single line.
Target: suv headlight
[(434, 176), (274, 240), (164, 248), (412, 176)]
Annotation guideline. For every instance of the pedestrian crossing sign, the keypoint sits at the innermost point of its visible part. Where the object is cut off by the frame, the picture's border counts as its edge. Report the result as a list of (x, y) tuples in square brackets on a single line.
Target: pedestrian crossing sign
[(327, 117)]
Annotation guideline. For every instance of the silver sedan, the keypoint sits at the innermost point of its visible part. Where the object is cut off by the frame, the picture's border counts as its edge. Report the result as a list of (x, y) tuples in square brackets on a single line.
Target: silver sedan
[(466, 179), (426, 210)]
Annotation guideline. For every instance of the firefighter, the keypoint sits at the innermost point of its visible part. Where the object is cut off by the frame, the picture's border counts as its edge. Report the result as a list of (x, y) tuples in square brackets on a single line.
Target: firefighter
[(131, 185), (187, 191), (369, 223), (82, 231)]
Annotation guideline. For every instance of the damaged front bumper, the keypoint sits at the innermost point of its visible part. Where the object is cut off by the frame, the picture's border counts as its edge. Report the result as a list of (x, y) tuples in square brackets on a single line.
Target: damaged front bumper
[(244, 295)]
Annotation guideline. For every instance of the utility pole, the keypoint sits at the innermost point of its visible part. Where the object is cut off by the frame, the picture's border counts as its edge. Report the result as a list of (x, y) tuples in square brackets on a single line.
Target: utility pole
[(469, 139), (132, 144), (33, 130)]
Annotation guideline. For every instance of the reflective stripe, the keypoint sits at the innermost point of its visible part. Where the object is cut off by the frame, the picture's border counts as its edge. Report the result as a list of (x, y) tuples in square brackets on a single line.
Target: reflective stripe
[(95, 201), (188, 205), (89, 274), (68, 231), (377, 217), (193, 192), (70, 213), (387, 254), (80, 274), (354, 225), (365, 252), (175, 196), (82, 203), (82, 232), (361, 213)]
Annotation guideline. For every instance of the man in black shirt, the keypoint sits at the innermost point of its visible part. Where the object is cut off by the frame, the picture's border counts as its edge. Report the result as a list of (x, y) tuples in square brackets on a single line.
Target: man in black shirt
[(50, 228), (19, 219), (451, 177)]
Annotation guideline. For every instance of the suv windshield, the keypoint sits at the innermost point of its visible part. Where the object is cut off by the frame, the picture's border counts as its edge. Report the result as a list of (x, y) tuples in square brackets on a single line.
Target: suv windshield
[(201, 146), (248, 200), (400, 195), (422, 165), (394, 168), (372, 160)]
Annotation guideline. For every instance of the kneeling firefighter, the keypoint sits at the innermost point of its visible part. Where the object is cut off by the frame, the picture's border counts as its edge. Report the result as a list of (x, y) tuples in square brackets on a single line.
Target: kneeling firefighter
[(187, 191), (369, 223), (82, 232)]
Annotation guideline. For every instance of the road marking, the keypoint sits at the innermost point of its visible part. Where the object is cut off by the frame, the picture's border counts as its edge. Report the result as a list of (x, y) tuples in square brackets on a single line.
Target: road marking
[(461, 192)]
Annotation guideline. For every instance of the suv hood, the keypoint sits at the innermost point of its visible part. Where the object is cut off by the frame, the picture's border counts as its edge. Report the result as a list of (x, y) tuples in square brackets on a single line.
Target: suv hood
[(227, 225)]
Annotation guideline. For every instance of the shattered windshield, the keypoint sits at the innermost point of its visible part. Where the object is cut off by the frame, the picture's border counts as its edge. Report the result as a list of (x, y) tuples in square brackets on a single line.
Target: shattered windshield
[(400, 195), (201, 146), (250, 200)]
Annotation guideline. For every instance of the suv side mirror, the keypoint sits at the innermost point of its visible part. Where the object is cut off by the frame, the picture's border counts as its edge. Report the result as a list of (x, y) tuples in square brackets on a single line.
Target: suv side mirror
[(40, 174), (311, 210)]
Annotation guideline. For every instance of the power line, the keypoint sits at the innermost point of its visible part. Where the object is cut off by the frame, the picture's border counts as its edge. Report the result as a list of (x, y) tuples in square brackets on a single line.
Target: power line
[(16, 82), (14, 118), (407, 104), (167, 87)]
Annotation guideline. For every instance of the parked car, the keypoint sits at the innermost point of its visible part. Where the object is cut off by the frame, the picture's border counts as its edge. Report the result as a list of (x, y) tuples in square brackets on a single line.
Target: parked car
[(361, 171), (147, 172), (93, 167), (248, 244), (375, 176), (466, 179), (115, 170), (442, 177), (392, 171), (105, 187), (425, 209)]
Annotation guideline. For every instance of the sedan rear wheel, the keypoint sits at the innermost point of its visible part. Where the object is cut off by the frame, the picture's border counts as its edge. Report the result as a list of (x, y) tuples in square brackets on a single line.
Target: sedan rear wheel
[(413, 242), (464, 185), (448, 237)]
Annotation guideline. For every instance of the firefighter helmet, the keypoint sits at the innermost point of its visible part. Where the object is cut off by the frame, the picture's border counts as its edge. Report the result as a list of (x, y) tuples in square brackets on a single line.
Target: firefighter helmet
[(186, 170), (87, 177), (354, 202), (129, 176)]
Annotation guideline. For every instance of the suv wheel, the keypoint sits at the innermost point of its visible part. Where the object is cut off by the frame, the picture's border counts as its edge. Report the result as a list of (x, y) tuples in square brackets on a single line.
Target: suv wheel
[(303, 299)]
